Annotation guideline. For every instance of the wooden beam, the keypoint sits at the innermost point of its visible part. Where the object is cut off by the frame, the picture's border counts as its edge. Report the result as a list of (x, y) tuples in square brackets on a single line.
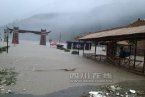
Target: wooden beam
[(83, 47), (144, 63), (129, 54), (135, 51), (29, 31), (95, 47), (78, 47)]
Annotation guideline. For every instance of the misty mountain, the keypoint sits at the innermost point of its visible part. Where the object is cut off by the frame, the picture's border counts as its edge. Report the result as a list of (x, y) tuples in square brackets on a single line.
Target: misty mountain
[(73, 24)]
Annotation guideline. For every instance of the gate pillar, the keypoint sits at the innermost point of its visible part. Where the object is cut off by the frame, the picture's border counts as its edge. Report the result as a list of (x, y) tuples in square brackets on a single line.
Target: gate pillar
[(15, 39), (43, 37)]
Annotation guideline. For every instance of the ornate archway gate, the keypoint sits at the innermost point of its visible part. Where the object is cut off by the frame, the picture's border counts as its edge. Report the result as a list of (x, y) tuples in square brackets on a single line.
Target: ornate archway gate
[(16, 31)]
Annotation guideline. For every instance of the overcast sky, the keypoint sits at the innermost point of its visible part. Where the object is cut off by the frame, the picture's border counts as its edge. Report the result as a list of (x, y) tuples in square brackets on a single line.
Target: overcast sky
[(11, 10)]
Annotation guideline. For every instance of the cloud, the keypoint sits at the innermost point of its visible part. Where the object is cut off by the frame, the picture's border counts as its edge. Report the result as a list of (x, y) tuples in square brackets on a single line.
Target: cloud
[(19, 9), (71, 16)]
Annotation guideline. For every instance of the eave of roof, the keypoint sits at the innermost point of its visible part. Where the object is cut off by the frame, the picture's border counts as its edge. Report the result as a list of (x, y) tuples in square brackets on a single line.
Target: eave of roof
[(129, 32)]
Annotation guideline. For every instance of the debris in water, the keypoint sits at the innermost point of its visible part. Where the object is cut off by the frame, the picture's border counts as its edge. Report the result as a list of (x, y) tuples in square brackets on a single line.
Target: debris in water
[(115, 91), (96, 94), (140, 92), (107, 94), (9, 91), (132, 91), (117, 94), (2, 89), (44, 70), (114, 88), (1, 86), (72, 69), (24, 89), (127, 96)]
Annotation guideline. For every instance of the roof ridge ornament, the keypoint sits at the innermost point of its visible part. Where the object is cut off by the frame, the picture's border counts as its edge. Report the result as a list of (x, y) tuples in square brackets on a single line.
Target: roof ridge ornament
[(139, 22)]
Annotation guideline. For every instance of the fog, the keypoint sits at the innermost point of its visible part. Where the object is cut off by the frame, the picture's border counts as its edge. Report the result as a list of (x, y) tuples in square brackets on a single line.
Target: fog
[(75, 17), (19, 9)]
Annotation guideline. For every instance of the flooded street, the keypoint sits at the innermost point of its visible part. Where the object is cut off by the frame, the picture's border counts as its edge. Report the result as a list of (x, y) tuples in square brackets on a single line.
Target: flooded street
[(41, 69)]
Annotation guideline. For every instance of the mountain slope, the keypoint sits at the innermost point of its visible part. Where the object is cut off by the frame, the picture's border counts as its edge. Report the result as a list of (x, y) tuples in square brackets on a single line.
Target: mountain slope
[(72, 24)]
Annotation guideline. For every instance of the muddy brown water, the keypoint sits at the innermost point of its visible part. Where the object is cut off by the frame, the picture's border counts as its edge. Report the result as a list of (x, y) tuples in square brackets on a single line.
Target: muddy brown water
[(41, 71)]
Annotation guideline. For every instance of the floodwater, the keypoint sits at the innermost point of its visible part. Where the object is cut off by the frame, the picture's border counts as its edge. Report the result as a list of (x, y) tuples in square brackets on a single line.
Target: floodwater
[(41, 69)]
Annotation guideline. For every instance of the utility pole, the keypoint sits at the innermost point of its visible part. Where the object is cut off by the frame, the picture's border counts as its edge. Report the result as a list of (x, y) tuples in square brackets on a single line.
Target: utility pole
[(60, 37), (6, 31), (7, 42)]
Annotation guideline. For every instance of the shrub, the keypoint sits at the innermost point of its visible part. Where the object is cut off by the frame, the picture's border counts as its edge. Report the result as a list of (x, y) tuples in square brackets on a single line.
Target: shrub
[(75, 52), (60, 47), (7, 77), (2, 49), (67, 50)]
